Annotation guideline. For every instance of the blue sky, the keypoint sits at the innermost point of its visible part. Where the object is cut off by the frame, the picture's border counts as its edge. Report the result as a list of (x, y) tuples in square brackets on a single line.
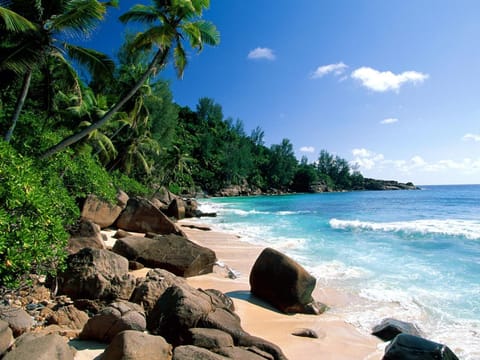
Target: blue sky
[(393, 86)]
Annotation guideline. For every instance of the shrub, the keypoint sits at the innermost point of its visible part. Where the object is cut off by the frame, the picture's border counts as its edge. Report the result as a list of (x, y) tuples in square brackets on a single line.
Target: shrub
[(131, 186), (34, 210)]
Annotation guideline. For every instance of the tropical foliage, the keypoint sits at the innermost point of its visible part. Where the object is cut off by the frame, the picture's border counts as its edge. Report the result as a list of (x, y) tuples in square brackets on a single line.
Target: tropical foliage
[(66, 136)]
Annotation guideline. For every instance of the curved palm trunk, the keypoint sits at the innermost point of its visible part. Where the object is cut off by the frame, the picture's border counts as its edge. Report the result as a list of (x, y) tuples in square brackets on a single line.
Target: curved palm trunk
[(18, 108), (158, 60)]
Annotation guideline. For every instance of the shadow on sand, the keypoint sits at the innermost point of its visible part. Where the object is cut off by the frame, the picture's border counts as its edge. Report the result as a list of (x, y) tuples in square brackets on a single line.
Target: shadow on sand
[(252, 299)]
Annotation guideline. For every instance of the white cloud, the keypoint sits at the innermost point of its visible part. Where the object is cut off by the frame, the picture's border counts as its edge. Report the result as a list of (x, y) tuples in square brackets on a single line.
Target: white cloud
[(366, 159), (469, 136), (262, 53), (336, 69), (307, 149), (382, 81), (389, 121)]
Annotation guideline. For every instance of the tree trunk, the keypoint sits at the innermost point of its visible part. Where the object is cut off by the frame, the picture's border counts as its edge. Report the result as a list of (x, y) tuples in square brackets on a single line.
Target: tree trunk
[(158, 60), (19, 106)]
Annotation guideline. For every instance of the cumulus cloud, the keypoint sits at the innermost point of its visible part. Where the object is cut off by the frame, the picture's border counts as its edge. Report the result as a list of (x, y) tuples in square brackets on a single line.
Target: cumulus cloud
[(382, 81), (366, 159), (469, 136), (262, 53), (307, 149), (337, 69), (389, 121)]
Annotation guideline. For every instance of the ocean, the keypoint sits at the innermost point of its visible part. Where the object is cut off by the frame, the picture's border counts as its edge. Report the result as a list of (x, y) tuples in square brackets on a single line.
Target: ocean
[(411, 255)]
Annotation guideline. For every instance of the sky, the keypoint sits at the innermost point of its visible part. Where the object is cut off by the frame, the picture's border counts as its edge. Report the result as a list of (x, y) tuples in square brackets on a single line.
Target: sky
[(392, 86)]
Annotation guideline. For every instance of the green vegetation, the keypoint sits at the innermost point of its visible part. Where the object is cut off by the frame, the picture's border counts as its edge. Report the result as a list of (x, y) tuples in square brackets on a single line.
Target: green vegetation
[(65, 136)]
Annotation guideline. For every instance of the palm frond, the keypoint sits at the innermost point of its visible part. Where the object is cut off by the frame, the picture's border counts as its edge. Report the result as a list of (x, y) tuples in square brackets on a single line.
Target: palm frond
[(141, 14), (180, 59), (19, 57), (209, 32), (79, 16), (99, 64), (193, 34), (14, 22), (199, 5), (161, 36)]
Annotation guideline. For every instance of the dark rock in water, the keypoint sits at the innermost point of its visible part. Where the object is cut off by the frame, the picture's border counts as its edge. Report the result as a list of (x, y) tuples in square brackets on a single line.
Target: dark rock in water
[(283, 283), (142, 216), (409, 347), (306, 333), (130, 344), (389, 328), (96, 274), (174, 253)]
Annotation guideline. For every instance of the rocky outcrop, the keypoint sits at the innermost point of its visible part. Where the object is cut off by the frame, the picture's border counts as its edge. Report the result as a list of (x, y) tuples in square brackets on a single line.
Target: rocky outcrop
[(283, 283), (6, 337), (135, 345), (374, 184), (96, 274), (48, 347), (389, 328), (409, 347), (176, 209), (113, 319), (189, 352), (174, 253), (182, 308), (18, 319), (142, 216), (101, 212), (86, 234)]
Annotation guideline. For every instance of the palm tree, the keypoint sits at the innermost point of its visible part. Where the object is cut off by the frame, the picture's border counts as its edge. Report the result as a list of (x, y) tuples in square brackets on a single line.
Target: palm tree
[(173, 22), (53, 21)]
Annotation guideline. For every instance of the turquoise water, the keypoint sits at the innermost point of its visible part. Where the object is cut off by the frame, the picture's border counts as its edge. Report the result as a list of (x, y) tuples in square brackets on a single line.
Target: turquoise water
[(413, 255)]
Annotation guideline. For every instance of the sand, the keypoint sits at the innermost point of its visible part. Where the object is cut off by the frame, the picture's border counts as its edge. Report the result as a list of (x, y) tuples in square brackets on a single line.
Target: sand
[(336, 339)]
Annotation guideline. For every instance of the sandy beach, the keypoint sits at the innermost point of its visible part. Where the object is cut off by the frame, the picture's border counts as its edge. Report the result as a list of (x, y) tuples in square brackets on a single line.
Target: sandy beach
[(337, 339)]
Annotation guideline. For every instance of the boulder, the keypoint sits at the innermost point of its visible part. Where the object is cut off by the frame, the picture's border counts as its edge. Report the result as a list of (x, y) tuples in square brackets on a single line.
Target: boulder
[(85, 234), (113, 319), (48, 347), (96, 274), (164, 195), (18, 319), (6, 337), (176, 209), (305, 333), (68, 316), (283, 283), (174, 253), (152, 286), (142, 216), (191, 208), (410, 347), (135, 345), (189, 352), (182, 307), (239, 353), (389, 328), (101, 212), (210, 338)]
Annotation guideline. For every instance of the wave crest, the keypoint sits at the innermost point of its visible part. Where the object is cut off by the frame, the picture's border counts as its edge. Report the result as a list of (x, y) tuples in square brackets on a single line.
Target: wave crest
[(469, 229)]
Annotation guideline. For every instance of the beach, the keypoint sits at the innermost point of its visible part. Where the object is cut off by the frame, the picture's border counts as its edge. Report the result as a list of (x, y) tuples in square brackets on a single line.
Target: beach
[(337, 339)]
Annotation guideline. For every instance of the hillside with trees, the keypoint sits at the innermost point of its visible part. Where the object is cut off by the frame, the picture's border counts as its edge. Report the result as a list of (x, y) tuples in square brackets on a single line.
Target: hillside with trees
[(74, 122)]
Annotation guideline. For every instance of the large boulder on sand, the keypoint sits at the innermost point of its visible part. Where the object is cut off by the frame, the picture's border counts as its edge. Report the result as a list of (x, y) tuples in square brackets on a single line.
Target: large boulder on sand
[(176, 209), (113, 319), (96, 274), (6, 337), (135, 345), (283, 283), (174, 253), (182, 307), (389, 328), (409, 347), (101, 212), (48, 347), (142, 216)]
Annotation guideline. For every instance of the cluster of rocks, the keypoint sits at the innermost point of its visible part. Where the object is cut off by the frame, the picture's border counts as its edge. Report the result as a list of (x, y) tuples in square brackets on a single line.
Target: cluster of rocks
[(158, 316), (407, 342)]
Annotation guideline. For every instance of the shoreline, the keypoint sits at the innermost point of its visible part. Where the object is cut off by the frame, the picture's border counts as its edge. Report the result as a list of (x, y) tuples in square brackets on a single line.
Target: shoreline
[(337, 339)]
